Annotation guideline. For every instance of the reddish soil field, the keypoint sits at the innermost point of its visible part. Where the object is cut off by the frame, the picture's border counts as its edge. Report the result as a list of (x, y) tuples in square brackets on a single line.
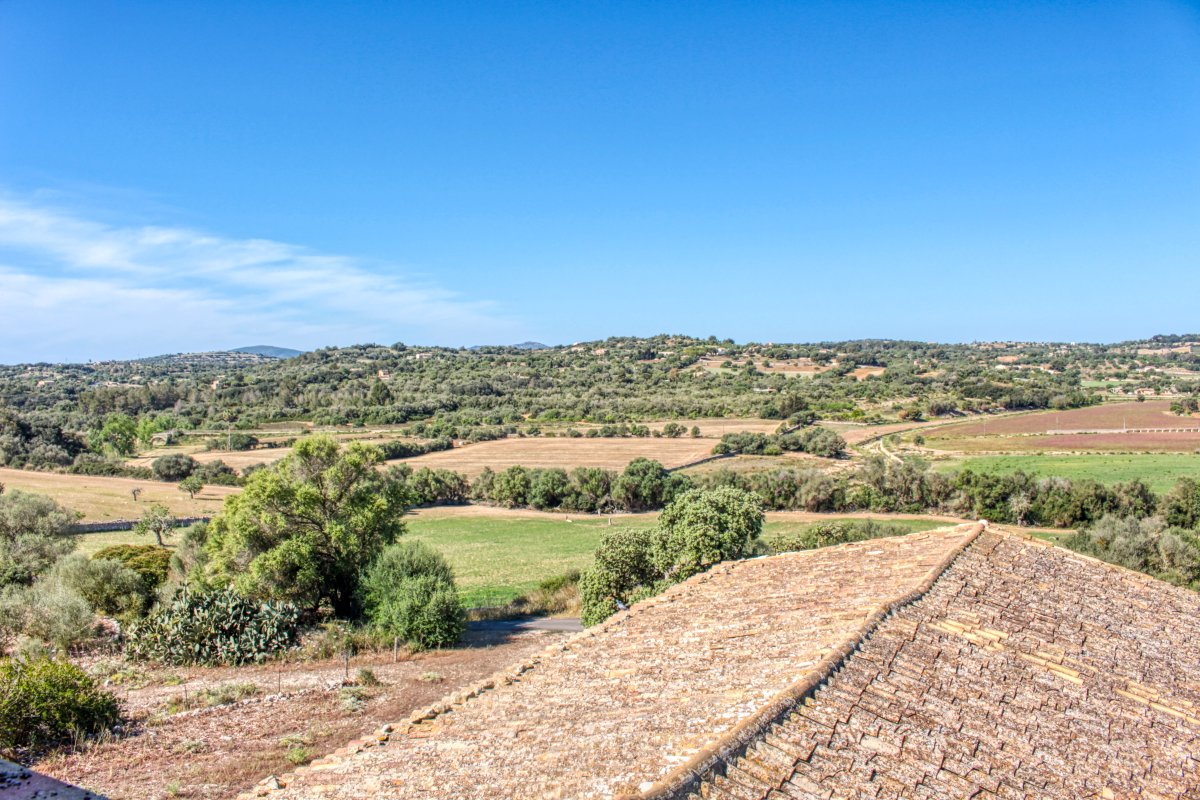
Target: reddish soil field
[(1151, 414), (1079, 442), (220, 751), (1155, 442)]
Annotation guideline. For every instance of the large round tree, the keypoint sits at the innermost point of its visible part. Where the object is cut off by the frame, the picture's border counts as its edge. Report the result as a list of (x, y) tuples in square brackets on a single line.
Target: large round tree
[(305, 529)]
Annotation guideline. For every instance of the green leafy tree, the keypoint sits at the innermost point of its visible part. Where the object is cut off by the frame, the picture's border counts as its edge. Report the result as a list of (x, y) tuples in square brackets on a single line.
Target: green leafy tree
[(192, 484), (549, 488), (304, 529), (511, 487), (379, 395), (173, 467), (157, 520), (1181, 506), (702, 528), (34, 533), (117, 436)]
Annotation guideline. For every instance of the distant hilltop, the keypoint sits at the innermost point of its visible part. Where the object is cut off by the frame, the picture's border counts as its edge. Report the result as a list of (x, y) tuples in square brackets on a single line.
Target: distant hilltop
[(269, 351), (521, 346)]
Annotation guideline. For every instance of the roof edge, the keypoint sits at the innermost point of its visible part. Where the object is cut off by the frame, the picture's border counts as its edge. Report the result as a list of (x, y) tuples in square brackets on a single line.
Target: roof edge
[(687, 777)]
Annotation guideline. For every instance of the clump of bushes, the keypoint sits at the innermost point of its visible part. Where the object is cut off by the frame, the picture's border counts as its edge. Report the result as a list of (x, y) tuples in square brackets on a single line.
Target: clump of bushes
[(825, 534), (232, 441), (408, 592), (34, 533), (1147, 545), (173, 468), (46, 612), (700, 529), (151, 562), (213, 627), (109, 587), (46, 702), (813, 440)]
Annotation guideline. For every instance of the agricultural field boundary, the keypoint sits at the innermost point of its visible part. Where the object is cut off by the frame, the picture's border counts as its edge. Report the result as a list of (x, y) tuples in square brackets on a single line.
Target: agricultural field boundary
[(128, 524)]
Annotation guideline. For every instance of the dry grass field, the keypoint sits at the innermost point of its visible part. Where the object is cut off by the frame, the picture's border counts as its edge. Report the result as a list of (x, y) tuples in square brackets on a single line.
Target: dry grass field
[(862, 373), (857, 434), (109, 498), (611, 454), (716, 428), (238, 459)]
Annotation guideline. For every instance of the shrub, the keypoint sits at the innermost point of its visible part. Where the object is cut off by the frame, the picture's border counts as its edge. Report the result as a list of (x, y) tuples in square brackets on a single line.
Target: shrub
[(232, 441), (34, 533), (698, 530), (149, 561), (825, 534), (109, 587), (173, 468), (216, 627), (622, 564), (400, 562), (1147, 545), (44, 702), (408, 592), (47, 612), (423, 611), (92, 464)]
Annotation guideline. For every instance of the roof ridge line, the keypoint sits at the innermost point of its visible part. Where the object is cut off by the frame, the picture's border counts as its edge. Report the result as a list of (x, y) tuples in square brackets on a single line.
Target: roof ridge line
[(688, 776)]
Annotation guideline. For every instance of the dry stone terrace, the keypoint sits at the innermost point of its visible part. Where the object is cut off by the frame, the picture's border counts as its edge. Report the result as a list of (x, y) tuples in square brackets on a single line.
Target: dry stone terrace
[(1026, 672), (621, 708)]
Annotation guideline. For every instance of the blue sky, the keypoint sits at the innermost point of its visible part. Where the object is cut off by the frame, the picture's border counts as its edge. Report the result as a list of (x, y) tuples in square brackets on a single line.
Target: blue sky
[(187, 176)]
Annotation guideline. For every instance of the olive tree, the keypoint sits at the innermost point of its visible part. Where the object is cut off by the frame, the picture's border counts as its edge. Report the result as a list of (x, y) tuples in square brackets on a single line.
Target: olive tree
[(34, 533), (699, 529), (304, 529)]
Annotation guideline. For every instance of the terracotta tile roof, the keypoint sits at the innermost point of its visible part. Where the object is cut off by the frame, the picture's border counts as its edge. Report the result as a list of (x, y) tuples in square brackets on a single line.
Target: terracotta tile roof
[(629, 706), (1025, 672), (950, 664)]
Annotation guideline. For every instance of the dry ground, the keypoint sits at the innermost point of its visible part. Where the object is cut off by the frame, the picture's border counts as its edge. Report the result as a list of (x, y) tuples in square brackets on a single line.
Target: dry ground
[(612, 454), (750, 464), (217, 752), (857, 434), (1178, 442), (1150, 414), (716, 428), (238, 459), (109, 498)]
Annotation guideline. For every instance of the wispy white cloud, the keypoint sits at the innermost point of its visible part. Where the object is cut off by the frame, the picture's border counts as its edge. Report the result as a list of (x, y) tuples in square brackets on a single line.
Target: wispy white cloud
[(73, 288)]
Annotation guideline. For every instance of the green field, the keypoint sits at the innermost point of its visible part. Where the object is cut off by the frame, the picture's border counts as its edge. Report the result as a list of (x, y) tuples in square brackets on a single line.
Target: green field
[(1159, 471), (497, 557)]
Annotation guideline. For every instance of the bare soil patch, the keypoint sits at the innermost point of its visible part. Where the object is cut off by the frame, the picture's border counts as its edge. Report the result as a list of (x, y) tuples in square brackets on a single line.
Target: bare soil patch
[(566, 453), (300, 709), (1150, 414)]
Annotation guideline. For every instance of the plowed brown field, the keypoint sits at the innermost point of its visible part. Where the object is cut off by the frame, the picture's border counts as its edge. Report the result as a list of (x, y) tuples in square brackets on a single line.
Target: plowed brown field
[(611, 454)]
